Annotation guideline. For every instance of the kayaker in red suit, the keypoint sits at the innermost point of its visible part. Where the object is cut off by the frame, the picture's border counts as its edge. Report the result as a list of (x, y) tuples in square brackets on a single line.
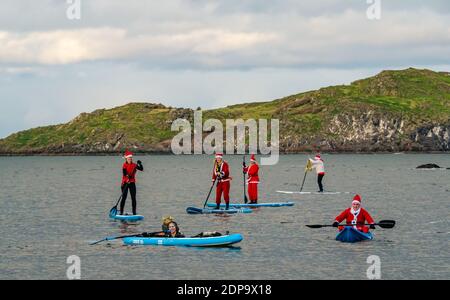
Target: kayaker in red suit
[(355, 215), (221, 171), (129, 170), (252, 180), (317, 163)]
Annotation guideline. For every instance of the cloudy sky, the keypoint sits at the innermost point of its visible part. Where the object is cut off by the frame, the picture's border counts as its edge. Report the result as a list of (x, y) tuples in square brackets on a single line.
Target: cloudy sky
[(189, 53)]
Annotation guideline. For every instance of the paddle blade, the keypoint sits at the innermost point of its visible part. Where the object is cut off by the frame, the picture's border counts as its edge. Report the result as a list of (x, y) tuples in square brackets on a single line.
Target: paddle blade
[(245, 199), (113, 212), (308, 166), (386, 223), (315, 226)]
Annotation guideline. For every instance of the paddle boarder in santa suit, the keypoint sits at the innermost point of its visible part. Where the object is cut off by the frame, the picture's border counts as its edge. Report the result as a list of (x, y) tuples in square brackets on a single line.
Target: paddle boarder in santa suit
[(356, 216), (317, 163), (253, 179), (129, 170), (221, 173)]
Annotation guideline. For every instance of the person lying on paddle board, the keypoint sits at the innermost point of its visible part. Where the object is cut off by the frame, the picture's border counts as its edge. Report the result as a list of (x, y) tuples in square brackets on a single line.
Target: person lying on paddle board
[(129, 170), (317, 163), (174, 231), (221, 172), (166, 221), (252, 180), (356, 216)]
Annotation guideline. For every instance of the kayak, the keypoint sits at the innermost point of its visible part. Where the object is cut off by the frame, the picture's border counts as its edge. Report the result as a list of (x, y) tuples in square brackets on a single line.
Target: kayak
[(195, 210), (312, 193), (274, 204), (352, 235), (223, 240), (129, 218)]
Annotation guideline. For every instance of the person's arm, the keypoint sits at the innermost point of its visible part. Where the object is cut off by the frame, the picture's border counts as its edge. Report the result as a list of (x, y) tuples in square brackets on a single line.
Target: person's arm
[(341, 217), (313, 162), (225, 171), (253, 170), (125, 174), (369, 219)]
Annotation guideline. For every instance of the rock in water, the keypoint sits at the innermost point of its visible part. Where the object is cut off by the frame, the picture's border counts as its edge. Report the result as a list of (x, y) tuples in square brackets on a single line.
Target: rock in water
[(428, 166)]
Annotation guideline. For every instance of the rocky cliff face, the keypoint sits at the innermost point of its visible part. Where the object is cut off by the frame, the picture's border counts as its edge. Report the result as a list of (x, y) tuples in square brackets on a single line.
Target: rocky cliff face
[(373, 132)]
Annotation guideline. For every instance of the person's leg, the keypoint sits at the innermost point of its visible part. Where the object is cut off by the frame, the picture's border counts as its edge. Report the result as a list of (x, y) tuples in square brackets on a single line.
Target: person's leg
[(253, 192), (218, 194), (319, 181), (133, 197), (226, 193), (124, 197)]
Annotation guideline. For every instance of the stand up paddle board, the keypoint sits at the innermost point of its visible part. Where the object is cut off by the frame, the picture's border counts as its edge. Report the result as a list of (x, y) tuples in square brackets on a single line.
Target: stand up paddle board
[(312, 193), (232, 210), (274, 204), (128, 218), (215, 241)]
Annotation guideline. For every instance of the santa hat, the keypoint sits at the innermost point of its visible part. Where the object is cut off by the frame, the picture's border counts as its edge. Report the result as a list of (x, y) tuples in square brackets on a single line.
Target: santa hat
[(128, 154), (219, 155), (252, 158), (317, 156), (357, 199)]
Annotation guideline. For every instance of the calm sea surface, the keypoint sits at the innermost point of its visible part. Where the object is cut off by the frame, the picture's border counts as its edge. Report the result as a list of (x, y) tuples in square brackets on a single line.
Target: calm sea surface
[(52, 207)]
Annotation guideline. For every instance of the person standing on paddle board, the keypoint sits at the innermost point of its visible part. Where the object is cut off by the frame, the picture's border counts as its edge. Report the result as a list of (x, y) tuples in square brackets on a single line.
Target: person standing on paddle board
[(356, 216), (252, 180), (317, 163), (129, 170), (221, 172)]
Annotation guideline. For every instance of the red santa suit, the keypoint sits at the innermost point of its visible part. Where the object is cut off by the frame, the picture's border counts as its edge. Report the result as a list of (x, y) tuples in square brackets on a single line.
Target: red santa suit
[(252, 180), (355, 218), (222, 171)]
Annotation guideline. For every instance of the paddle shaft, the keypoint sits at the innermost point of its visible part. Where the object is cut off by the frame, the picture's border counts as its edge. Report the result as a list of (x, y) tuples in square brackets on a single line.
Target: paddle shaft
[(123, 192), (245, 193), (383, 224), (304, 177), (210, 190), (110, 238), (114, 238)]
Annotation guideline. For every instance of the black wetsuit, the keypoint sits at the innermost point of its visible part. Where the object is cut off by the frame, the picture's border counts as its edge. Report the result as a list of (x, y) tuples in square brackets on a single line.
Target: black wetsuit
[(129, 187)]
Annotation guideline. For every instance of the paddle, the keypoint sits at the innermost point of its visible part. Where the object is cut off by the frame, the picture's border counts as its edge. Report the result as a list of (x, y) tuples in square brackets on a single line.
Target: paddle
[(207, 198), (245, 193), (113, 210), (307, 168), (143, 234), (387, 224)]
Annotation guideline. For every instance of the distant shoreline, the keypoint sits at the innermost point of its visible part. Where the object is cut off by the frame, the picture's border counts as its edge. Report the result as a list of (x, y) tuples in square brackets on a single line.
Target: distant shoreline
[(170, 153)]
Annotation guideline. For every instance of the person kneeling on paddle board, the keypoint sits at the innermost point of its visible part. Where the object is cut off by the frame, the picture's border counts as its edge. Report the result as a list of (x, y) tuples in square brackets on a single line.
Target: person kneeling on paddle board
[(221, 172), (356, 216), (174, 231), (317, 163), (252, 180), (129, 170)]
